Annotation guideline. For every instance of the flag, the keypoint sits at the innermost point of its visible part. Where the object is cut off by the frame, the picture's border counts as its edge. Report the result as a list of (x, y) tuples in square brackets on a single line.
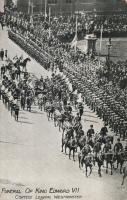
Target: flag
[(45, 9), (49, 32), (29, 5), (45, 14), (49, 14), (31, 19), (49, 22), (101, 37), (74, 41)]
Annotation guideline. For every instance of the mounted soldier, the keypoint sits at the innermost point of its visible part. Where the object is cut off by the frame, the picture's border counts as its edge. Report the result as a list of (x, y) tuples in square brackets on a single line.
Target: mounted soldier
[(107, 147), (70, 133), (83, 153), (97, 147), (118, 147), (29, 103), (90, 132)]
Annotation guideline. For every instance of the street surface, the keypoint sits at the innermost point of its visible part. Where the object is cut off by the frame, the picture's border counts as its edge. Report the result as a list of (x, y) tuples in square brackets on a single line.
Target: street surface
[(30, 151)]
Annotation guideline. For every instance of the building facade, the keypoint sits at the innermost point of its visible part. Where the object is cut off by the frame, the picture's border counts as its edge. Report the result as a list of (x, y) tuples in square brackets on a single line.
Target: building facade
[(70, 6), (100, 5), (57, 6)]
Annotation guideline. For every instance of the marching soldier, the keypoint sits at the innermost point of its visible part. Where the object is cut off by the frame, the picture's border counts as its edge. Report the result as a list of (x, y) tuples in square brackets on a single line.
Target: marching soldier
[(6, 53), (16, 112), (2, 54), (77, 118), (23, 101), (104, 130), (81, 109)]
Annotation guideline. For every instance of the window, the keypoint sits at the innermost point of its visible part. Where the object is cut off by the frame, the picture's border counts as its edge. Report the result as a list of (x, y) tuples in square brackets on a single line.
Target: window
[(68, 1), (52, 1)]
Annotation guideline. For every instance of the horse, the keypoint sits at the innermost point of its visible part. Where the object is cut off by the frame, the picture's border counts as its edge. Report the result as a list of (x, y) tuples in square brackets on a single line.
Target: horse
[(40, 103), (90, 141), (51, 111), (87, 160), (99, 158), (110, 158), (121, 157), (124, 175), (24, 62), (47, 105), (81, 142), (66, 125), (71, 144), (83, 153), (57, 118), (77, 127), (104, 139), (29, 103)]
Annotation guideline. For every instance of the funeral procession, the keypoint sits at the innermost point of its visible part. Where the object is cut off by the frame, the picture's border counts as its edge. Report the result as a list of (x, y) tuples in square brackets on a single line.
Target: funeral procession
[(63, 99)]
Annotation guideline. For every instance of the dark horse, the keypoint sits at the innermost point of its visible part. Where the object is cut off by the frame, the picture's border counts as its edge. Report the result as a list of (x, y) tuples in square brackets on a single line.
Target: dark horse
[(71, 144), (121, 157), (81, 142), (84, 157), (110, 159), (87, 160), (124, 174), (99, 158), (24, 62)]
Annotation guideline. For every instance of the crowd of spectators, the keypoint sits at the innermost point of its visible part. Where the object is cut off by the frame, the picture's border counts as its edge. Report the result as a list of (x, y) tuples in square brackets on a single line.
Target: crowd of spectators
[(104, 86), (63, 27)]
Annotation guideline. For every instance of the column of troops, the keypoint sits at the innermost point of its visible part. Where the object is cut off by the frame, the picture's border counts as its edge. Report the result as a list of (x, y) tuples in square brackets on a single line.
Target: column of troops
[(108, 109)]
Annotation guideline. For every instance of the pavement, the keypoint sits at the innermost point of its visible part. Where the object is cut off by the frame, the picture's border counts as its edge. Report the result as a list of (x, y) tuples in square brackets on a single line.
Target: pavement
[(30, 153)]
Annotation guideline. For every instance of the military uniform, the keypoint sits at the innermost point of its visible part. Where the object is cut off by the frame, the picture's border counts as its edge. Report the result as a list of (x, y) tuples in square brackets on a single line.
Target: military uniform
[(16, 112), (2, 54), (90, 133), (118, 147)]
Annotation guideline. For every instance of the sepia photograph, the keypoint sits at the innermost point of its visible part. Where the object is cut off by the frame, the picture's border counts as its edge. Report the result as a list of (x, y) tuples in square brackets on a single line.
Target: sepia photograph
[(63, 99)]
